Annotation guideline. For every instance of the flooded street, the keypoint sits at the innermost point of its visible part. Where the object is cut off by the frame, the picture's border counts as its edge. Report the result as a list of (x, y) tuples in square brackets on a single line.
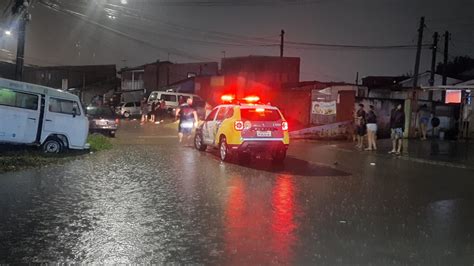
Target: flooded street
[(150, 200)]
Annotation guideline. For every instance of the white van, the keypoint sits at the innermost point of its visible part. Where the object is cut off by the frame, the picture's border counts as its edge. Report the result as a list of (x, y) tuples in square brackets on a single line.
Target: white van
[(37, 115), (173, 99)]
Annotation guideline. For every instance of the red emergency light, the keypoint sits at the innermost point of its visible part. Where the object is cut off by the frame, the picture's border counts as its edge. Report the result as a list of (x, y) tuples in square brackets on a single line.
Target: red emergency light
[(252, 99), (227, 98)]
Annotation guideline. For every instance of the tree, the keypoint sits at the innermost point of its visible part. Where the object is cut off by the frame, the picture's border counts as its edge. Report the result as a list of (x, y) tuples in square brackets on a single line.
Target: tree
[(457, 66)]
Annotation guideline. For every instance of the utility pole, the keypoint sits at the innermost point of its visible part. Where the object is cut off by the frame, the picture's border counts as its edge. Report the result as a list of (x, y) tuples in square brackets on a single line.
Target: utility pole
[(418, 51), (434, 50), (20, 8), (282, 42), (357, 78), (411, 100), (447, 37)]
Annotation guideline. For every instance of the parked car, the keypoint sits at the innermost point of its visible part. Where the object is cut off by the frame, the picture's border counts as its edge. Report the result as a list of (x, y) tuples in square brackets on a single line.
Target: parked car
[(128, 109), (102, 120), (37, 115), (174, 99)]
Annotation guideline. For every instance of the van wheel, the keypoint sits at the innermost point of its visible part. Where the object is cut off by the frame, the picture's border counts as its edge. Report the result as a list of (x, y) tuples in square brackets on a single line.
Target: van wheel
[(126, 114), (224, 150), (198, 143), (112, 134), (52, 145)]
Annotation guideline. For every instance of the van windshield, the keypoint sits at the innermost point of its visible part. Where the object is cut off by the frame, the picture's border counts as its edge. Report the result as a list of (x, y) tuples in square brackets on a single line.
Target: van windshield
[(153, 97)]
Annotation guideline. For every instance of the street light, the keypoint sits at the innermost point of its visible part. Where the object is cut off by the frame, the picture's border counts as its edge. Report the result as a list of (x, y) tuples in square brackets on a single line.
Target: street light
[(124, 2), (8, 32)]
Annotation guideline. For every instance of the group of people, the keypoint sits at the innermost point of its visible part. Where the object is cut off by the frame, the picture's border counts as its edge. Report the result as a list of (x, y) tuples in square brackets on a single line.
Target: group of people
[(366, 125), (156, 113)]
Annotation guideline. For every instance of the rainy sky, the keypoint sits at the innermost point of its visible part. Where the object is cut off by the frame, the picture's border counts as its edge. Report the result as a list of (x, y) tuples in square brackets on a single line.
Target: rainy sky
[(134, 32)]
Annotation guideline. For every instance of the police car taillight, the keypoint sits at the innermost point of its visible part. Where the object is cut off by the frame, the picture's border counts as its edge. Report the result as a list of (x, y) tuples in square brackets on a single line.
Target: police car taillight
[(238, 125), (284, 125)]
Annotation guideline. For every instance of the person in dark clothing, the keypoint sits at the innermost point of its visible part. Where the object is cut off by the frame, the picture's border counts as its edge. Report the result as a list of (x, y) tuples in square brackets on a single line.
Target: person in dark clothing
[(397, 126), (161, 111), (371, 129), (144, 109), (360, 126), (153, 112), (188, 119)]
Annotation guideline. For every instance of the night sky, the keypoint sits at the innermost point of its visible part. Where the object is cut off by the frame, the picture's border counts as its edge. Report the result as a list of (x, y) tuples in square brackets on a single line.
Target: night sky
[(142, 31)]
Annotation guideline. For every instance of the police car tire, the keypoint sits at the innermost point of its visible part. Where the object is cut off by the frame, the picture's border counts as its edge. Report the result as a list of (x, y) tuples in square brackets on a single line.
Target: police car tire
[(279, 156), (227, 156), (201, 146)]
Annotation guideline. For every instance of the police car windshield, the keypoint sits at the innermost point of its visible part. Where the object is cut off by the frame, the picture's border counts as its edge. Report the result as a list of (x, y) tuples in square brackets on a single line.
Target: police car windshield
[(257, 114)]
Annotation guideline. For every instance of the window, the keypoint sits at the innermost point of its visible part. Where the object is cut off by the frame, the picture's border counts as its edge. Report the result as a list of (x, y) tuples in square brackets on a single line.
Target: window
[(222, 113), (211, 116), (18, 99), (229, 113), (63, 106), (100, 111), (252, 114), (153, 96), (129, 104), (168, 97)]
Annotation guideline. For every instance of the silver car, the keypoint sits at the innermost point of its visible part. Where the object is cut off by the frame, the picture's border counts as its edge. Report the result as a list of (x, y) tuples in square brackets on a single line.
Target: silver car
[(129, 109)]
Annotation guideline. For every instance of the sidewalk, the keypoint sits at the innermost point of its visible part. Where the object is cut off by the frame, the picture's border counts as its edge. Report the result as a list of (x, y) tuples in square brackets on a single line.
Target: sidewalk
[(450, 153)]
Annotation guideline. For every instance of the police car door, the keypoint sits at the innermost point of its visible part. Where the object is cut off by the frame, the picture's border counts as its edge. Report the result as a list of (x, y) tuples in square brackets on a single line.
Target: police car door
[(221, 115), (208, 126)]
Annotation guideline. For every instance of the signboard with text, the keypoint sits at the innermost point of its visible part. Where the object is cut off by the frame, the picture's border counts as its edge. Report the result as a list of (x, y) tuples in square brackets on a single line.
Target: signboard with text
[(324, 108)]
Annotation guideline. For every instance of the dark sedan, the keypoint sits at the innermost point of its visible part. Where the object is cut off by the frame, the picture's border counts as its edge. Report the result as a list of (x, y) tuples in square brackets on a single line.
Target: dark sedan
[(102, 119)]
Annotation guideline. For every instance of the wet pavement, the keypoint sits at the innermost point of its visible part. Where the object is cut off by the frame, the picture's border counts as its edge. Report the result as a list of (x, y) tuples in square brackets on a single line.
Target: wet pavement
[(150, 200)]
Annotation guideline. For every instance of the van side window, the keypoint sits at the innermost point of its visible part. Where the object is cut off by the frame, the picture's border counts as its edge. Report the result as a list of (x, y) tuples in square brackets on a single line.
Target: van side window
[(18, 99), (63, 106), (130, 104), (168, 97)]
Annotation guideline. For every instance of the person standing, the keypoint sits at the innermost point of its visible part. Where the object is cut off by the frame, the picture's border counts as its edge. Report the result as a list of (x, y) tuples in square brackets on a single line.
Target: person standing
[(424, 116), (188, 119), (371, 129), (162, 111), (153, 112), (144, 109), (397, 126), (360, 126)]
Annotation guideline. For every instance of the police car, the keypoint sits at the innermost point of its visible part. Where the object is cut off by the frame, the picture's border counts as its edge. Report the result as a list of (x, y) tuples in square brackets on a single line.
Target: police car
[(239, 128)]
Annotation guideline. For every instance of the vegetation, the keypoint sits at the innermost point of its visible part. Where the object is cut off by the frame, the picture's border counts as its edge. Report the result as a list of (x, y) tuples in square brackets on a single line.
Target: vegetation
[(99, 142), (14, 158)]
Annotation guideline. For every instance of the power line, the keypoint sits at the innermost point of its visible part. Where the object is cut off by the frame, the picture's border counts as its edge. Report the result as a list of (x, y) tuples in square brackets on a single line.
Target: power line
[(122, 34)]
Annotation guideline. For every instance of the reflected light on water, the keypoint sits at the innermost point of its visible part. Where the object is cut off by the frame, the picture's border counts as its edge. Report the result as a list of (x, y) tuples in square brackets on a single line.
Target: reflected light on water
[(283, 223), (260, 223)]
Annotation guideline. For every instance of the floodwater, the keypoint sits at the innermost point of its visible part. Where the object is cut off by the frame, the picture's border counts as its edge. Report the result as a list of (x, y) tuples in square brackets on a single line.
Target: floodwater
[(153, 201)]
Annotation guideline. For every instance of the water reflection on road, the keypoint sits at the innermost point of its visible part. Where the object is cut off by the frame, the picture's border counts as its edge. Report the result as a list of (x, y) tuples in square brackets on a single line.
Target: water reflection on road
[(260, 221), (169, 204)]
